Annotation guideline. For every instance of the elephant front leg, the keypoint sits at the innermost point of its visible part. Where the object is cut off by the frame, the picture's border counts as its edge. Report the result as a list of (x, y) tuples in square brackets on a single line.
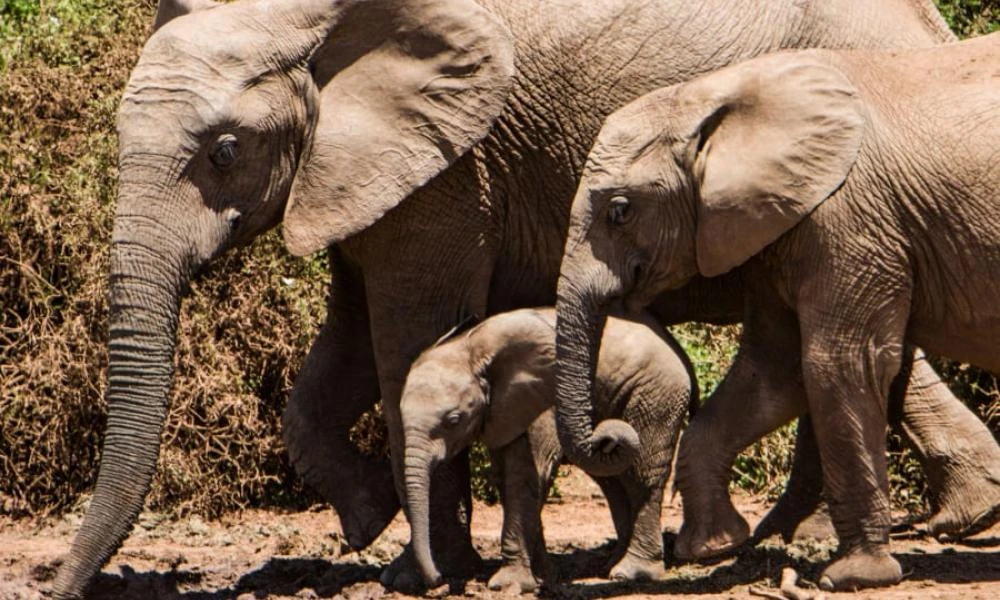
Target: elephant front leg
[(336, 385), (526, 467), (848, 369), (759, 394), (397, 343)]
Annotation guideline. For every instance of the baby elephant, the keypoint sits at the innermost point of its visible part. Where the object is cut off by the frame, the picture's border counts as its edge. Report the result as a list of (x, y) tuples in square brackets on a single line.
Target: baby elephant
[(859, 193), (495, 383)]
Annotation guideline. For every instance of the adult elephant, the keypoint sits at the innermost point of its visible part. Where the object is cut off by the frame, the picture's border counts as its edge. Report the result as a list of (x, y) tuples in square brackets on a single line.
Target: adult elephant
[(675, 187), (325, 115)]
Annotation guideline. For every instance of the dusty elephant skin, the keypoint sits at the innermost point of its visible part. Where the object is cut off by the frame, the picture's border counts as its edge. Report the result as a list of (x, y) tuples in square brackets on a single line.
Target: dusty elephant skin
[(863, 218), (324, 116), (961, 467), (495, 383)]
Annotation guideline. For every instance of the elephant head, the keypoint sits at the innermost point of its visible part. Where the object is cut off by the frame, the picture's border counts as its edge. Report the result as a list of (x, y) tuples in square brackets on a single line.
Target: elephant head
[(690, 180), (321, 114), (489, 384)]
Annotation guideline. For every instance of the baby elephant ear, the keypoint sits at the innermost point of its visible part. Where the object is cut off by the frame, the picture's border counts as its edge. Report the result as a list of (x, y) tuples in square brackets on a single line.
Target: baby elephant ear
[(406, 87), (778, 136)]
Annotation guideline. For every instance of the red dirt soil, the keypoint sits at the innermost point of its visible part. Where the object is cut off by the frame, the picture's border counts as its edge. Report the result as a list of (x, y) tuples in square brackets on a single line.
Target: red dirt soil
[(259, 554)]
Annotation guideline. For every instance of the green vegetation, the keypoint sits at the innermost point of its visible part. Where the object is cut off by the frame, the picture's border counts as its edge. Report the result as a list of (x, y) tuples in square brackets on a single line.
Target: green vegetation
[(248, 322), (971, 17)]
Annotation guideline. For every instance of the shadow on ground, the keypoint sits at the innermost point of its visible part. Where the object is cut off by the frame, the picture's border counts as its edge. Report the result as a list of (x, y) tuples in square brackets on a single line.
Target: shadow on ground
[(277, 577)]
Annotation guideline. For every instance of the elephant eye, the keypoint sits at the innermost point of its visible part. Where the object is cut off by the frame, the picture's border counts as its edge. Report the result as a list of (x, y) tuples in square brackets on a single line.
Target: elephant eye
[(619, 210), (224, 153), (452, 418)]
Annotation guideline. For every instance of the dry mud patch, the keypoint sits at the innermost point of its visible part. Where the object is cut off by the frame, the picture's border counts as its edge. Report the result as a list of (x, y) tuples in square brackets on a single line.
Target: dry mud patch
[(260, 554)]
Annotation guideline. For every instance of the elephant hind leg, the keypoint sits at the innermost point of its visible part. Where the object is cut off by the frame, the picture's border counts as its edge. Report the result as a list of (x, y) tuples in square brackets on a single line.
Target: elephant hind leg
[(958, 453), (799, 506), (336, 385)]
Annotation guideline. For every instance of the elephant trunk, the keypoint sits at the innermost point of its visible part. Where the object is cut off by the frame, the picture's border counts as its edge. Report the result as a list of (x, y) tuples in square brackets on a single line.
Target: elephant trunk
[(419, 465), (581, 309), (148, 270)]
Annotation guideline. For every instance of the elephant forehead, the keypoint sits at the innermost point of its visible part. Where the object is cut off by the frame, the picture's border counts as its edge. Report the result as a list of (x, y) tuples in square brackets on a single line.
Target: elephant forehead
[(441, 382), (167, 108)]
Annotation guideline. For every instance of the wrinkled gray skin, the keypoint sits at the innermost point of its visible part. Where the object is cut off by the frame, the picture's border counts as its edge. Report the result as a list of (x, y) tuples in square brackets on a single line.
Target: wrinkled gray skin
[(958, 454), (324, 116), (865, 219), (495, 383)]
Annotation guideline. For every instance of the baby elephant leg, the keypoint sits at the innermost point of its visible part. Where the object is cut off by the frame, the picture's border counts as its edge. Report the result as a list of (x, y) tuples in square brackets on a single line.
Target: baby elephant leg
[(526, 466), (657, 415), (642, 559)]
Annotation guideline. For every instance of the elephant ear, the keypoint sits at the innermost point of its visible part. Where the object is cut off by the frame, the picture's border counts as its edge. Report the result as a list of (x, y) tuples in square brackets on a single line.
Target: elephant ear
[(777, 136), (406, 88), (168, 10), (515, 353)]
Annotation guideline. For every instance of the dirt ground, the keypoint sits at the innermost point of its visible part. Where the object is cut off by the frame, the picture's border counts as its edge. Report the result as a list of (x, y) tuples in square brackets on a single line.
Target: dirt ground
[(259, 554)]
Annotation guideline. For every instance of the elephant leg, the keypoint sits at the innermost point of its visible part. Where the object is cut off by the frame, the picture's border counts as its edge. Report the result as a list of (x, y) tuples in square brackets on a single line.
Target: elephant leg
[(621, 514), (803, 494), (642, 559), (756, 397), (958, 453), (656, 411), (852, 351), (527, 466), (959, 456), (397, 343), (335, 386)]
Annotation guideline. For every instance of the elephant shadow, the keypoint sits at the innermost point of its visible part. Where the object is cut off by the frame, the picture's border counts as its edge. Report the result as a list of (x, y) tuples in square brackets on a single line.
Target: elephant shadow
[(750, 565), (278, 576), (951, 565)]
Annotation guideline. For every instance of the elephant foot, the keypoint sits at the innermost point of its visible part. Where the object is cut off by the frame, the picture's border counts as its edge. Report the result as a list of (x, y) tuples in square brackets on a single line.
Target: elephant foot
[(403, 574), (457, 561), (966, 510), (365, 516), (863, 567), (817, 526), (722, 532), (787, 519), (514, 577), (637, 568), (361, 489)]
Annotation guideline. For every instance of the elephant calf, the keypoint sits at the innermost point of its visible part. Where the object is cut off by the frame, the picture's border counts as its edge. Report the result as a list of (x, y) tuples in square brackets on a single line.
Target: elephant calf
[(495, 383), (859, 193)]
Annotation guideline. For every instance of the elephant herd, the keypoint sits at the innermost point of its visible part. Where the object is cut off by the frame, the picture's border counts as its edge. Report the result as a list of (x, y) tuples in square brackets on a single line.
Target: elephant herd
[(634, 164)]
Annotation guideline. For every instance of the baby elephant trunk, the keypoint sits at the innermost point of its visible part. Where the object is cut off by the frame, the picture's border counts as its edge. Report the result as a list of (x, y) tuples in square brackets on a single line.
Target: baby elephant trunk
[(422, 456)]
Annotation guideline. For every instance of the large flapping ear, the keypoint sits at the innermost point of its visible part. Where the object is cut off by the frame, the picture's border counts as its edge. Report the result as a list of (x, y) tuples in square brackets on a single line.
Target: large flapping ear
[(774, 139), (406, 87), (515, 353), (167, 10)]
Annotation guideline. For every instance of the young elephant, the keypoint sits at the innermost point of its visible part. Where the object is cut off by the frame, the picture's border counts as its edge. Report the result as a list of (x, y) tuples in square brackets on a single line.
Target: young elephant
[(860, 192), (495, 383)]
